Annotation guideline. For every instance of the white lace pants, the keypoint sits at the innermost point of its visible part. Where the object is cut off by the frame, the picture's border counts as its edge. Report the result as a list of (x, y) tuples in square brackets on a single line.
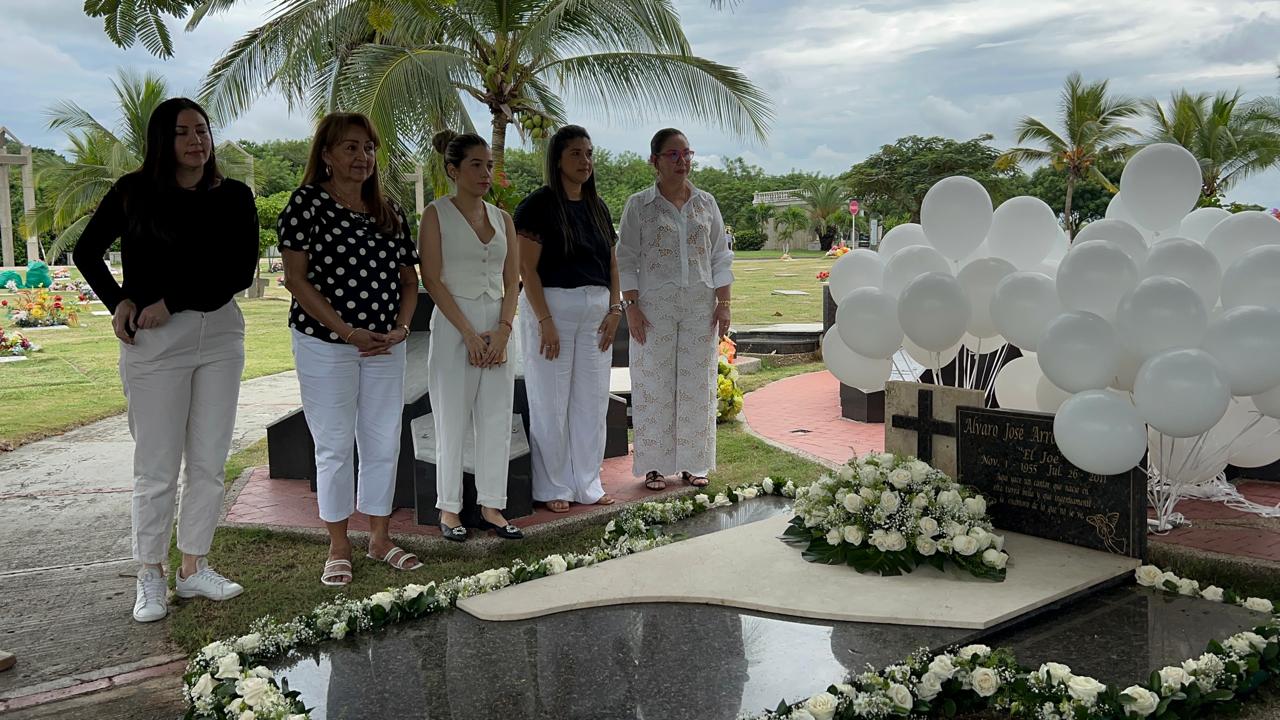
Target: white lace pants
[(672, 382)]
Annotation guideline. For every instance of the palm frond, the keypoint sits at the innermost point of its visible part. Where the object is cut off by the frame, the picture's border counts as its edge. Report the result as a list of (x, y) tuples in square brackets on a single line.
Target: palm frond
[(644, 85)]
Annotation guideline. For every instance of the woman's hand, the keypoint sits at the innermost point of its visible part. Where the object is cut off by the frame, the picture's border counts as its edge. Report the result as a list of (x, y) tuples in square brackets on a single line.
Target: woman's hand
[(637, 323), (122, 321), (549, 345), (153, 316), (477, 349), (608, 330), (368, 342), (720, 317), (497, 345)]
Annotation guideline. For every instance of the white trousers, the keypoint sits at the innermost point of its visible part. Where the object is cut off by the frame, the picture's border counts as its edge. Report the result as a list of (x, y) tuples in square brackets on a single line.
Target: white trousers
[(182, 381), (673, 380), (351, 402), (568, 396), (467, 400)]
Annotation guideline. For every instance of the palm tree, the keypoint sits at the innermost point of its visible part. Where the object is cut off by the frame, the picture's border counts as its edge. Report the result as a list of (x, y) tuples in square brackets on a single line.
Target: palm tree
[(823, 198), (409, 65), (760, 215), (1092, 131), (100, 156), (789, 222), (1232, 140)]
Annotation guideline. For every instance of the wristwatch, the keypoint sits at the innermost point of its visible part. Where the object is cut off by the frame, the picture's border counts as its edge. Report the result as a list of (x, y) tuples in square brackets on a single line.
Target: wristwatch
[(624, 303), (407, 332), (619, 306)]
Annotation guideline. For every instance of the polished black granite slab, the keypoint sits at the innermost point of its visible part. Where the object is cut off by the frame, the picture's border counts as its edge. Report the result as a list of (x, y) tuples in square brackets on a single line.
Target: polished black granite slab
[(680, 662)]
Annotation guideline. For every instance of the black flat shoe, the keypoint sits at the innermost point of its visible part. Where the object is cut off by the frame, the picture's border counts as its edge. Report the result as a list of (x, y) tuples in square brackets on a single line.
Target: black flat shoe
[(508, 531), (456, 534)]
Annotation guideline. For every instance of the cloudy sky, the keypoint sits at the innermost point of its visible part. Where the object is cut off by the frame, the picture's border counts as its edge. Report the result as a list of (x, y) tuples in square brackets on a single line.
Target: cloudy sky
[(845, 77)]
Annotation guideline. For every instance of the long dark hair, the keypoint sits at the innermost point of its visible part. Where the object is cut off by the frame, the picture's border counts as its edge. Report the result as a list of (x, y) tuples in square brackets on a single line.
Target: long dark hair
[(160, 167), (328, 134), (595, 206)]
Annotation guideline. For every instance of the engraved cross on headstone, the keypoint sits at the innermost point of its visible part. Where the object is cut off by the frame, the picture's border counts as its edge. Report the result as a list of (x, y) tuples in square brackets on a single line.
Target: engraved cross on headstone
[(925, 426)]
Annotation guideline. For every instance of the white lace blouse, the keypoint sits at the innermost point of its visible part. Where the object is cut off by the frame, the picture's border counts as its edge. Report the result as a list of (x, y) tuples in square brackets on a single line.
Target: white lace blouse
[(660, 245)]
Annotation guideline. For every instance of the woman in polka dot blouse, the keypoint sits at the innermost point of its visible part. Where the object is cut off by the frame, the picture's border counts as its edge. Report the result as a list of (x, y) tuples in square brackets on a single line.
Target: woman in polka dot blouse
[(350, 264)]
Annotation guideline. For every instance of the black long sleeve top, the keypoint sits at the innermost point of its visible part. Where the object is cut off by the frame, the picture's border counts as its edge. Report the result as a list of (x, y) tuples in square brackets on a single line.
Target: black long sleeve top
[(203, 254)]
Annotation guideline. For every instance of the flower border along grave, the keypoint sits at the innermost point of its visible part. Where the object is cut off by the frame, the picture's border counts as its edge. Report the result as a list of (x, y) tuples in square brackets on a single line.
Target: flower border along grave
[(226, 678), (890, 515)]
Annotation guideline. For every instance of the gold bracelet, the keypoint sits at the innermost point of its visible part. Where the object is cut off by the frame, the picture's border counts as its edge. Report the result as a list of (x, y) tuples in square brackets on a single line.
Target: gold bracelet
[(722, 302), (351, 334)]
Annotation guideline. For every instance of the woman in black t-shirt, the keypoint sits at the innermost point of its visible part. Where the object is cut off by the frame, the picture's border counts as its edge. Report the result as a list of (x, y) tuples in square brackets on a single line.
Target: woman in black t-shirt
[(188, 244), (570, 304), (350, 265)]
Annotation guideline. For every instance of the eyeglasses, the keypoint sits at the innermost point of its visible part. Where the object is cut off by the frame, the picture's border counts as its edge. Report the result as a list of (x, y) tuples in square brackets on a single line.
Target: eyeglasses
[(677, 155)]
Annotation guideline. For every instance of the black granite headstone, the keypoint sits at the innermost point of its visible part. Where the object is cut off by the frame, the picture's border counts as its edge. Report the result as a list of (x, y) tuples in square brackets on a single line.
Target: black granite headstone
[(1012, 459), (616, 422), (924, 425)]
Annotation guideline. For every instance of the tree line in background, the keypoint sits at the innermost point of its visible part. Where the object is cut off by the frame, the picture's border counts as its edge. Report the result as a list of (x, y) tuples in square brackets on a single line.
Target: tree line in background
[(1076, 164)]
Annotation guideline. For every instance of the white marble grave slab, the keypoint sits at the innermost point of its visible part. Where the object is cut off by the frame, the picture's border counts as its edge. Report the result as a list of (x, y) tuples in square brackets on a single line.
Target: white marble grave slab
[(12, 358), (620, 380), (748, 567), (790, 292)]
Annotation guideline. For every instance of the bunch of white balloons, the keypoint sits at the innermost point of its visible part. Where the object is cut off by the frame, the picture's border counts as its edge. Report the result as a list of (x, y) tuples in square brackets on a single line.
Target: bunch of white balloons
[(1157, 329)]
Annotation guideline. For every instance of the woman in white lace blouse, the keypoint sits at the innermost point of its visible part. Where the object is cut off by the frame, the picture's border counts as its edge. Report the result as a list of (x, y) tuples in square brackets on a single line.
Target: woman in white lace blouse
[(675, 272)]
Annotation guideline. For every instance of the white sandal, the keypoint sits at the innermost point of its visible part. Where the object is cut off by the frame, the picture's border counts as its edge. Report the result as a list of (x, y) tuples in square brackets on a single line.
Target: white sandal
[(336, 569), (397, 558)]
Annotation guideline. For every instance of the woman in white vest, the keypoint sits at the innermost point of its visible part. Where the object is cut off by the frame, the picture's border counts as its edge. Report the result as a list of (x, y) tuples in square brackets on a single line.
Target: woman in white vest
[(472, 273), (676, 272), (571, 305)]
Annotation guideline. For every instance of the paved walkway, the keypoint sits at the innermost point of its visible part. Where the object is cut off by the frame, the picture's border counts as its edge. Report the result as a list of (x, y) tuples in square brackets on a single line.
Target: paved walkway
[(66, 573), (802, 414)]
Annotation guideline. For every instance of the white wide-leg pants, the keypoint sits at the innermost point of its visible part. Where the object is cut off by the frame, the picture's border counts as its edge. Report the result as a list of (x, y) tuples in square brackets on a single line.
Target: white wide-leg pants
[(467, 400), (351, 402), (673, 381), (568, 396), (182, 381)]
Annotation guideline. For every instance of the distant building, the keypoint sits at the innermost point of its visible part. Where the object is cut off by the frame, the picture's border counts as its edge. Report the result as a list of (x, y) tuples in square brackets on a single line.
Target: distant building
[(783, 199)]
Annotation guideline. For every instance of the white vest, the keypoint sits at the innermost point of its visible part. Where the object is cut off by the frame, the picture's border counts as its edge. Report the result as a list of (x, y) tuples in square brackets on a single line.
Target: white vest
[(472, 269)]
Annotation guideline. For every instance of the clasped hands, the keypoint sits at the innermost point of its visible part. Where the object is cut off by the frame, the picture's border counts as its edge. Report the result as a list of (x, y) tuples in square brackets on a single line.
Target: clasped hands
[(370, 343), (487, 349)]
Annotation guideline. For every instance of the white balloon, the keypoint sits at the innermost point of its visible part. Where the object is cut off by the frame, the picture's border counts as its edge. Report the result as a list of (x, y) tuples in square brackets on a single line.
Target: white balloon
[(1094, 276), (1015, 384), (867, 320), (1254, 440), (1079, 351), (1161, 184), (926, 358), (979, 279), (1200, 222), (1061, 245), (1241, 233), (1268, 403), (1183, 462), (956, 215), (910, 263), (1022, 306), (1253, 279), (933, 311), (855, 269), (1049, 397), (1023, 230), (982, 346), (1190, 262), (850, 368), (1128, 237), (1127, 370), (1100, 432), (1246, 341), (1181, 393), (901, 236), (1161, 313), (982, 252)]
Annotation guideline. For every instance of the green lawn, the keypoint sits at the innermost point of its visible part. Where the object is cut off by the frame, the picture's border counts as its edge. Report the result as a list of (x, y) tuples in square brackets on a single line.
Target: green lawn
[(74, 379)]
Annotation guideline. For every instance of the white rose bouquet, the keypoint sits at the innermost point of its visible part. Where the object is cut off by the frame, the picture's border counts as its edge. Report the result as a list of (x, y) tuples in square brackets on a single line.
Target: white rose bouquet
[(888, 515)]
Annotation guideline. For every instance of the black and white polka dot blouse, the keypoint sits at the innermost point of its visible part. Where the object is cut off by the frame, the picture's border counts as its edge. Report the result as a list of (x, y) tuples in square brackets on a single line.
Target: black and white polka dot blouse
[(350, 262)]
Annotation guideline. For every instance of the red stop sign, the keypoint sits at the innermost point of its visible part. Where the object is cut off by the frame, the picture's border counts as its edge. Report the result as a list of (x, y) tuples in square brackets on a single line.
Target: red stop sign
[(853, 207)]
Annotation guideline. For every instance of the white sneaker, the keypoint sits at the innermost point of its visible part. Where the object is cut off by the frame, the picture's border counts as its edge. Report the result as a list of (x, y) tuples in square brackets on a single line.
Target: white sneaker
[(152, 595), (207, 583)]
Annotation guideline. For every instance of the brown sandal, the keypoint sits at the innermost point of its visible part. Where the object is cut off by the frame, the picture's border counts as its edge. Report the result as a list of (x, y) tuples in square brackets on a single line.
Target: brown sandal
[(606, 500), (694, 480), (653, 480), (557, 506)]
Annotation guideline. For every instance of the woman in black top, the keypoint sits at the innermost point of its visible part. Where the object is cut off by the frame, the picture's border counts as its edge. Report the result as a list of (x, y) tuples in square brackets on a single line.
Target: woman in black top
[(349, 263), (188, 244), (570, 303)]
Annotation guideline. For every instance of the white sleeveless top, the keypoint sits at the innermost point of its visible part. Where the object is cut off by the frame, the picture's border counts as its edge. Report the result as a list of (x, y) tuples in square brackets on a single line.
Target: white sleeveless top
[(471, 269)]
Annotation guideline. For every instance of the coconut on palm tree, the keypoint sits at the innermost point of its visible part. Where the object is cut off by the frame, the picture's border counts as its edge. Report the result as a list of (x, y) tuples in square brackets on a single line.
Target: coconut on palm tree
[(410, 65), (823, 199), (1092, 130), (1232, 139)]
